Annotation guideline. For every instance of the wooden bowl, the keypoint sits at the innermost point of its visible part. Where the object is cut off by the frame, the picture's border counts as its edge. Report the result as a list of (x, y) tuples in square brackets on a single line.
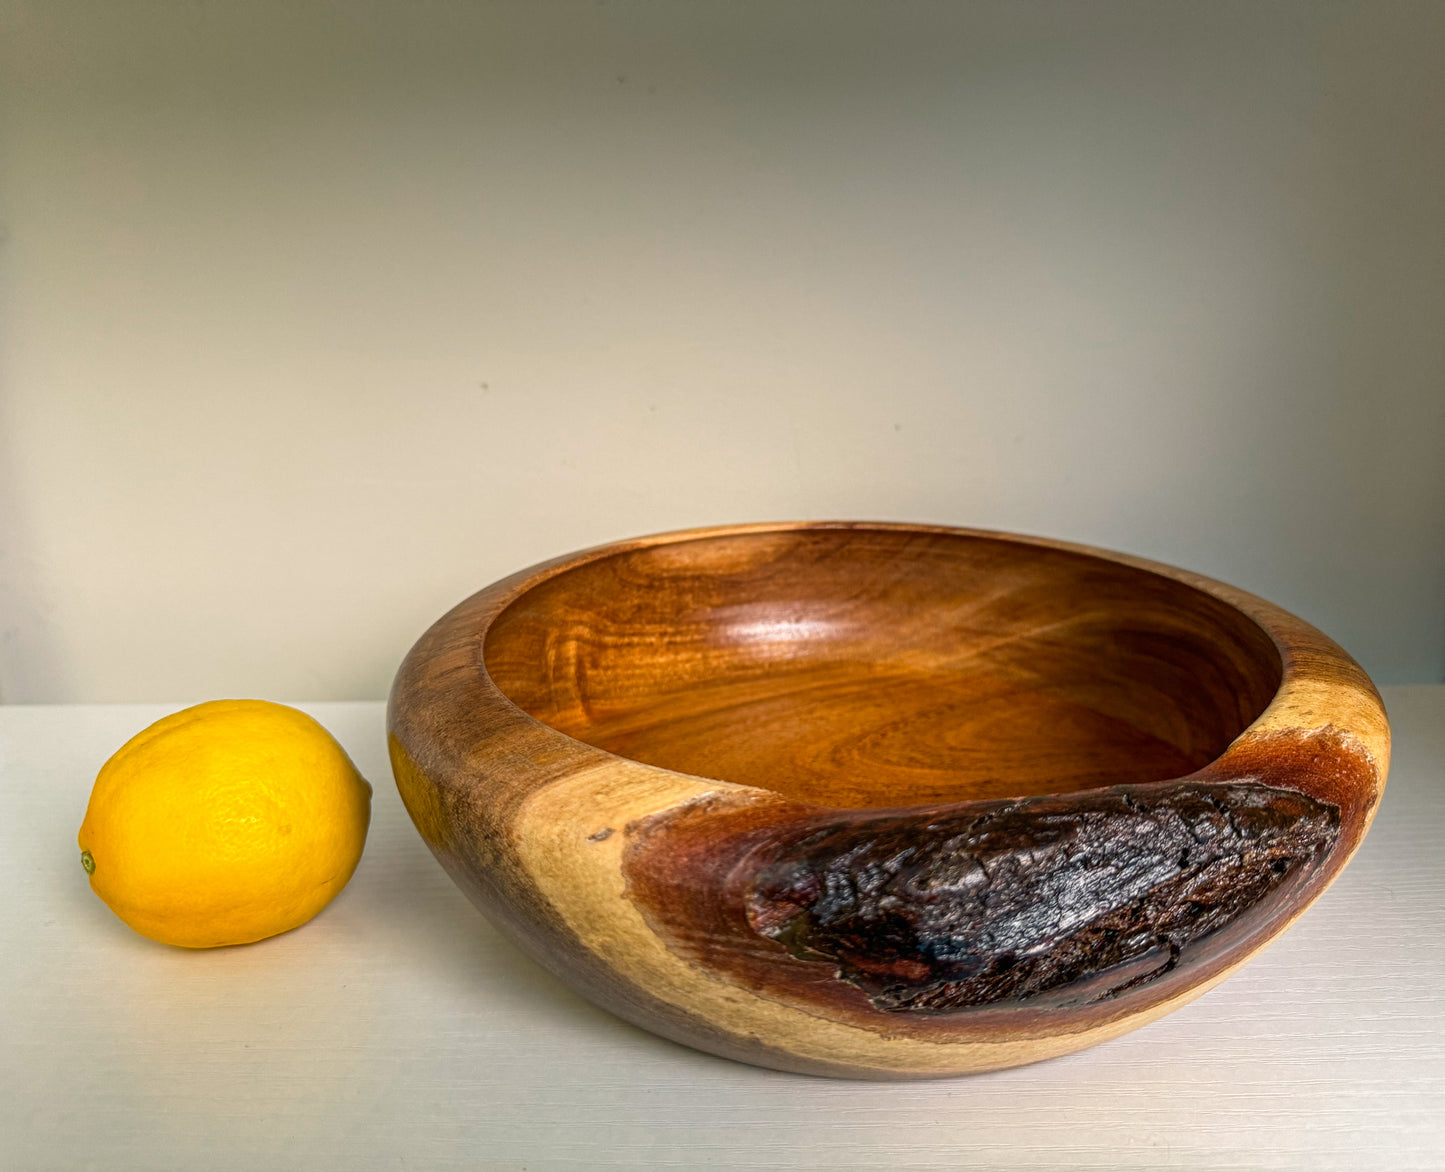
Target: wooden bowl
[(884, 800)]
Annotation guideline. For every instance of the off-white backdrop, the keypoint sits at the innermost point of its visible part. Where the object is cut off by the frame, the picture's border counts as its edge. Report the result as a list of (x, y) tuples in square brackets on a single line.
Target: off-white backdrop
[(317, 317)]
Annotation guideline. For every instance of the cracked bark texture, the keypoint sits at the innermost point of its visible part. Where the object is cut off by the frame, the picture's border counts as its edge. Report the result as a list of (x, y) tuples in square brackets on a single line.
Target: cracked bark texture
[(1065, 901)]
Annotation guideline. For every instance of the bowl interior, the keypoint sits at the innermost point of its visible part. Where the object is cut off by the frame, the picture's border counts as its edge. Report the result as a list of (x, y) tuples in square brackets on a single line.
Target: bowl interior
[(882, 667)]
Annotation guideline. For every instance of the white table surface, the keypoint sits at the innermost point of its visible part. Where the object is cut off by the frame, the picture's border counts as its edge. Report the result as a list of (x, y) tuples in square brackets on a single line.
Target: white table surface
[(398, 1030)]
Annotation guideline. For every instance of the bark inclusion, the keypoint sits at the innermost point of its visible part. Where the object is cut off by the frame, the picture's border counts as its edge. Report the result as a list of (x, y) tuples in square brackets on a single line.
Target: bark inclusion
[(1059, 900)]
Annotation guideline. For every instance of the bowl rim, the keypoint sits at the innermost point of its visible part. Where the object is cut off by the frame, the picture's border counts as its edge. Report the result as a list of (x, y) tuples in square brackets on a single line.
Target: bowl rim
[(1320, 684)]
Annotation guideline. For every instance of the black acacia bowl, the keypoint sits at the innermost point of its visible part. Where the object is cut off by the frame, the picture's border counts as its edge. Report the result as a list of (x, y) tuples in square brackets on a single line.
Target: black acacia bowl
[(884, 800)]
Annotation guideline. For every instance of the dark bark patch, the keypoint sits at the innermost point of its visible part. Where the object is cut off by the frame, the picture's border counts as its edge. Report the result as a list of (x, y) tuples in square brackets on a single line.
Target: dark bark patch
[(1046, 901)]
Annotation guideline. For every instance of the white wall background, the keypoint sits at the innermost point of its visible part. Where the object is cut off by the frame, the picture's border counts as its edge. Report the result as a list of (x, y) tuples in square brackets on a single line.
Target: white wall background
[(317, 317)]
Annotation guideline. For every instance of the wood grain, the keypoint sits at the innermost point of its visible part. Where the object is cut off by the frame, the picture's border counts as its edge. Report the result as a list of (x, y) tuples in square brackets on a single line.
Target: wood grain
[(884, 800)]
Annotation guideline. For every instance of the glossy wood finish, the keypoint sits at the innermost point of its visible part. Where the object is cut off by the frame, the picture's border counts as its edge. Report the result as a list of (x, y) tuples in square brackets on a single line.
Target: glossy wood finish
[(884, 800)]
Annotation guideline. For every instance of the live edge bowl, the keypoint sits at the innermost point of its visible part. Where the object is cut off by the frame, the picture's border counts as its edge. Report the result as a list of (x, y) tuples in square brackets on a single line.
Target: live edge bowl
[(881, 800)]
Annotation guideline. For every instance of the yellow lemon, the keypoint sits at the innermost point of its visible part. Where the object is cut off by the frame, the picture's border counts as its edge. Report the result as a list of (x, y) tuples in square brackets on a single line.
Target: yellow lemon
[(225, 823)]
